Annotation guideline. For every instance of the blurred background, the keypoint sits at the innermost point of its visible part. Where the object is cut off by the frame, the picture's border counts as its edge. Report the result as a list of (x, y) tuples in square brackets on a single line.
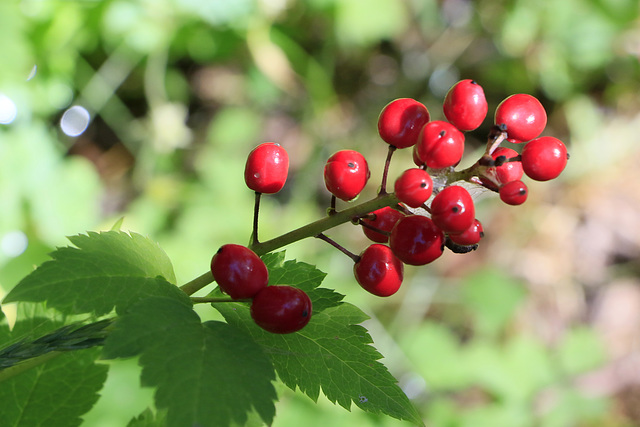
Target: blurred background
[(146, 109)]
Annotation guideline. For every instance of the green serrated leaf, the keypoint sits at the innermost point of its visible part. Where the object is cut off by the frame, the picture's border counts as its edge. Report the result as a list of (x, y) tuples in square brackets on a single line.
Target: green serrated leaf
[(333, 354), (103, 270), (206, 374), (116, 226), (55, 393), (149, 419), (301, 275)]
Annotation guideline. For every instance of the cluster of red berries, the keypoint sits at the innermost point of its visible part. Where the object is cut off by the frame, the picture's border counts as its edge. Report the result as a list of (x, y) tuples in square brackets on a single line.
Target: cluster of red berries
[(432, 208)]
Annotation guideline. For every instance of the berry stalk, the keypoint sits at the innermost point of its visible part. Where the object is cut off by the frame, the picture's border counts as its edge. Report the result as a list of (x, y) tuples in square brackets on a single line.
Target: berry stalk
[(310, 230)]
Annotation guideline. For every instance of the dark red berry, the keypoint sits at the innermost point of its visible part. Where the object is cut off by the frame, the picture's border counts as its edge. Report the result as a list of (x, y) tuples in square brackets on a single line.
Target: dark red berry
[(416, 240), (345, 174), (440, 145), (383, 219), (238, 271), (470, 236), (544, 158), (523, 115), (465, 105), (400, 122), (281, 309), (413, 187), (513, 193), (379, 271), (267, 168), (508, 171), (452, 209)]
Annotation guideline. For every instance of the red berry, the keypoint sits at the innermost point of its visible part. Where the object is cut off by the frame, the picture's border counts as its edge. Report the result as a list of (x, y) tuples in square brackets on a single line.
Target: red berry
[(544, 158), (452, 209), (281, 309), (379, 271), (266, 168), (470, 236), (465, 105), (416, 159), (416, 240), (509, 171), (414, 187), (513, 193), (384, 220), (345, 174), (523, 115), (239, 271), (400, 122), (440, 145)]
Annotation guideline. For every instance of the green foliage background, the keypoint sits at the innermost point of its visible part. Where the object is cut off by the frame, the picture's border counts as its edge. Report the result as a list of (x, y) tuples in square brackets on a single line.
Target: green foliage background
[(518, 333)]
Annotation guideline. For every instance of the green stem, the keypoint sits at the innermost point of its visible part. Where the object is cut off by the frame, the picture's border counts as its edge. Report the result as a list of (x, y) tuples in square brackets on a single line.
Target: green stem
[(321, 225), (200, 300), (198, 283), (309, 230)]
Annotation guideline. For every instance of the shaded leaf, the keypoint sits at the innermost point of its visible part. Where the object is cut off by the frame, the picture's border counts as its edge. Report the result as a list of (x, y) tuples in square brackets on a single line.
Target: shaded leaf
[(55, 393), (206, 374)]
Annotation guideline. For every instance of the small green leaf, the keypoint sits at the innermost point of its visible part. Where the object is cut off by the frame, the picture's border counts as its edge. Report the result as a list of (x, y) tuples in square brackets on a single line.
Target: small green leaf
[(149, 419), (332, 353), (116, 226), (103, 270), (55, 393), (206, 374)]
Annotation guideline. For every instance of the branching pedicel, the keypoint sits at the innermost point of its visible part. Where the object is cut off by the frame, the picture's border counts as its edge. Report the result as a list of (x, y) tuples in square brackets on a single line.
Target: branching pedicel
[(430, 208)]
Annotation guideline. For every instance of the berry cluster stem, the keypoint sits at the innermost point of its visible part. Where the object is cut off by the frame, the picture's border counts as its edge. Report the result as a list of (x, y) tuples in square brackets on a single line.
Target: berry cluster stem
[(310, 230)]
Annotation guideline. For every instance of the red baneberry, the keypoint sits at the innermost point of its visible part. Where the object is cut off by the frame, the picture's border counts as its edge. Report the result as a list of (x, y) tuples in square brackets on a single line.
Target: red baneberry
[(523, 115), (440, 145), (379, 271), (470, 236), (452, 209), (416, 240), (383, 219), (239, 272), (413, 187), (267, 168), (281, 309), (508, 171), (513, 193), (345, 174), (544, 158), (400, 122), (465, 105)]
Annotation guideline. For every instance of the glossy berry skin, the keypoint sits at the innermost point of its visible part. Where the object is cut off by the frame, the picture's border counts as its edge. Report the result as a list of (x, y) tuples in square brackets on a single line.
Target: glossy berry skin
[(281, 309), (514, 193), (400, 122), (379, 271), (239, 272), (452, 209), (507, 172), (345, 174), (544, 158), (440, 145), (416, 240), (413, 187), (465, 105), (266, 168), (470, 236), (523, 115), (385, 219)]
